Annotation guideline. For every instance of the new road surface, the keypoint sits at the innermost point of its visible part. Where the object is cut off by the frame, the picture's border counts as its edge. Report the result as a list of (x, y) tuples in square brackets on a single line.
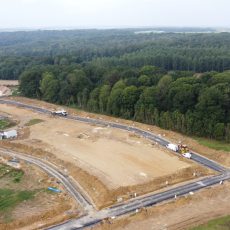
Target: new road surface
[(131, 205)]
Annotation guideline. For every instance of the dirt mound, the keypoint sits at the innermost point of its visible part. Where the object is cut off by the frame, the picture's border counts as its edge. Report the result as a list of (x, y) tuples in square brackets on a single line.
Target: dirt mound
[(5, 91)]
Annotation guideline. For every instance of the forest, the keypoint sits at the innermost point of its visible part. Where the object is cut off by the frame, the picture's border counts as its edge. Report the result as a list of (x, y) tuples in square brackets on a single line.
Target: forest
[(177, 81)]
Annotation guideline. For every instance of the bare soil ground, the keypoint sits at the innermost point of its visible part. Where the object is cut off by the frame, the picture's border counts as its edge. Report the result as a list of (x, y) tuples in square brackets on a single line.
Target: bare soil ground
[(108, 163), (45, 208), (118, 158), (181, 214), (219, 156), (9, 82), (5, 91)]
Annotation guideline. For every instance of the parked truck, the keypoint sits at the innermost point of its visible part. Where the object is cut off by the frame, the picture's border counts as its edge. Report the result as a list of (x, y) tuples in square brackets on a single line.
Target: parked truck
[(59, 113)]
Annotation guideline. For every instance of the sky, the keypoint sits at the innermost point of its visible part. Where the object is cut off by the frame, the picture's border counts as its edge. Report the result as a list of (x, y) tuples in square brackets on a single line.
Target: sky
[(113, 13)]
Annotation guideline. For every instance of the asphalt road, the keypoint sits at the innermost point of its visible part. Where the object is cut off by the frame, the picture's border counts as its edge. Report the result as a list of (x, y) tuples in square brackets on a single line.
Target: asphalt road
[(140, 202), (136, 204)]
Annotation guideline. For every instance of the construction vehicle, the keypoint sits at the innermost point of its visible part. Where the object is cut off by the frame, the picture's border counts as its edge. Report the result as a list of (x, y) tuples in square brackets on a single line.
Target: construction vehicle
[(59, 113), (182, 149)]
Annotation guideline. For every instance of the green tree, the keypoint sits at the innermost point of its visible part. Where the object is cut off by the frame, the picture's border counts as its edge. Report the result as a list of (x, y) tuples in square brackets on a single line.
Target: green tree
[(219, 131), (130, 96), (30, 83), (49, 87), (104, 97)]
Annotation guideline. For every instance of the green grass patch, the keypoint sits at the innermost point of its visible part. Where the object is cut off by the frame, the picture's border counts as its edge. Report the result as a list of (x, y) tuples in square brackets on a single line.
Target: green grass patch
[(34, 122), (222, 223), (4, 170), (15, 174), (217, 145), (4, 123), (10, 198)]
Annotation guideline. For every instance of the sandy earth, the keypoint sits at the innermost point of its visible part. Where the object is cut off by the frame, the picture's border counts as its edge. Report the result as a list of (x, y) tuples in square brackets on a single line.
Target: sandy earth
[(217, 155), (9, 82), (5, 87), (118, 158), (182, 214), (4, 91)]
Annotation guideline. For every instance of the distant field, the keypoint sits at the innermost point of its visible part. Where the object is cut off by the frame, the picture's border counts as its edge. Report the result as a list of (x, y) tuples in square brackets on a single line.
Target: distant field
[(9, 82), (218, 145), (217, 224)]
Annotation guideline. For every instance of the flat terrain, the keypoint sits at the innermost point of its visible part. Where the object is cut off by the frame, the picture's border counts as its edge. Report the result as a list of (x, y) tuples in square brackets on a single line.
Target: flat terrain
[(9, 82), (223, 157), (118, 158)]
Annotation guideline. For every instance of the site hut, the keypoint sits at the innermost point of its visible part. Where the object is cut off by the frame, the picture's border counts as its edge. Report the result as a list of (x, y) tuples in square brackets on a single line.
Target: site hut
[(1, 135), (9, 134)]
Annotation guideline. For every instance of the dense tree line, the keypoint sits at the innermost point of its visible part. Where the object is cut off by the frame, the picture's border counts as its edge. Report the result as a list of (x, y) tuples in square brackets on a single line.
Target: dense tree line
[(178, 81), (198, 52), (194, 104)]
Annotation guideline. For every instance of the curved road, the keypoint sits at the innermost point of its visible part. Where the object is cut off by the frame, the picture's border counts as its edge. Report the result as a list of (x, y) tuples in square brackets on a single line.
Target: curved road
[(53, 171), (133, 204)]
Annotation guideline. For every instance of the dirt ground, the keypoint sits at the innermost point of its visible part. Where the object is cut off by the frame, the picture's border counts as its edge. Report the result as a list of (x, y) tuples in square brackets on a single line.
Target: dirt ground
[(5, 91), (108, 163), (118, 158), (9, 82), (6, 87), (217, 155), (45, 208), (182, 214)]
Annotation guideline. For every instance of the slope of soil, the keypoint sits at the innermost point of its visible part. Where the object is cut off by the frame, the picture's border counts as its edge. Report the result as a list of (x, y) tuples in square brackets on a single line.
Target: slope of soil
[(24, 199), (183, 214)]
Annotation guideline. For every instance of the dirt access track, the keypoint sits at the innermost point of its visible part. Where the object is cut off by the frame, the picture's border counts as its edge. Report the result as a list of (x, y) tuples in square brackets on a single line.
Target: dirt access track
[(112, 162)]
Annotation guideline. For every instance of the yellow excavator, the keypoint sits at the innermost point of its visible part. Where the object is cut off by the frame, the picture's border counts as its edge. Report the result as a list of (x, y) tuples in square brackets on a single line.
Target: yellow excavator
[(183, 149)]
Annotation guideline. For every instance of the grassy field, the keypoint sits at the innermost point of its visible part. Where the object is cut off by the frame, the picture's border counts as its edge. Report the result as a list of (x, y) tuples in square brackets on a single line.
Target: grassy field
[(15, 174), (217, 224), (34, 122), (10, 198), (217, 145), (6, 123)]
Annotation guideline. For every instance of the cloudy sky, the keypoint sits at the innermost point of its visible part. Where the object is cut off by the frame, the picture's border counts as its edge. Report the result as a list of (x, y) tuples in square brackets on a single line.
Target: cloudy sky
[(113, 13)]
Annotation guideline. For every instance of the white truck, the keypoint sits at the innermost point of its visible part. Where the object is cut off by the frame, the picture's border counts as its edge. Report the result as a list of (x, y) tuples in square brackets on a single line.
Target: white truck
[(172, 147), (59, 113)]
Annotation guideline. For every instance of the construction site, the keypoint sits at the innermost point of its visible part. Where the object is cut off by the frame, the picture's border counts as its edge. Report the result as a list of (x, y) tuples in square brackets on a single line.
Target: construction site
[(110, 165)]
